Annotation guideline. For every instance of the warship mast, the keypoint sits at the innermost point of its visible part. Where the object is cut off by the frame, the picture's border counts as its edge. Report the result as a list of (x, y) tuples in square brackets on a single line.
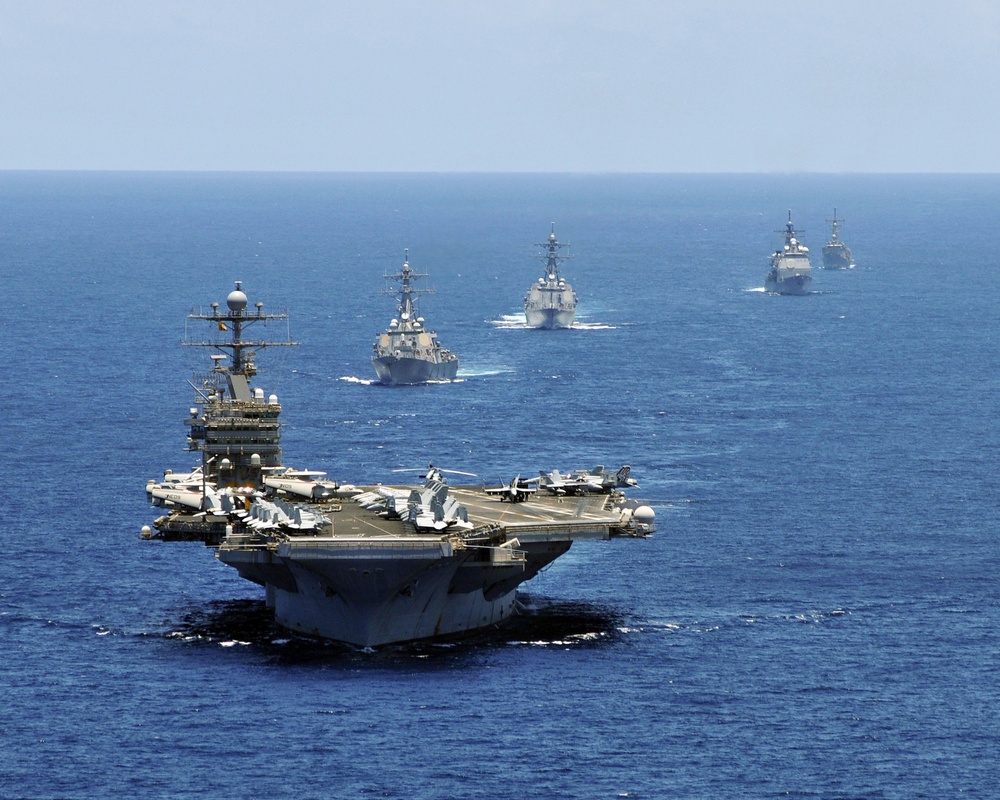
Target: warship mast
[(789, 231), (835, 228), (407, 306), (551, 257)]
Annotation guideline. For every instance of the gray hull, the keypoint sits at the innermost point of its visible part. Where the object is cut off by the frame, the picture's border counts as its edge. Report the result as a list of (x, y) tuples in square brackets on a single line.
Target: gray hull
[(403, 593), (550, 318), (403, 371), (837, 256), (550, 304), (792, 284), (375, 592)]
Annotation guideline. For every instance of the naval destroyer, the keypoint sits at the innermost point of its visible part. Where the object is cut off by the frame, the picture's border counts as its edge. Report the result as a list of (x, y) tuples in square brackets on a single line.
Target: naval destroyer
[(407, 352), (364, 565), (551, 301), (836, 254), (790, 271)]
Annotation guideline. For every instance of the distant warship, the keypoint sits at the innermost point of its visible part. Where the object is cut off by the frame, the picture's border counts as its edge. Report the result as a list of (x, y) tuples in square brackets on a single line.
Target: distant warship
[(551, 302), (836, 254), (790, 271), (373, 565), (407, 352)]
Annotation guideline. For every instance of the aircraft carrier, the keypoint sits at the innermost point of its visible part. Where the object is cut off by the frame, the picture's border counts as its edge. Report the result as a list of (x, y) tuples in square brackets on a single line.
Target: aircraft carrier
[(364, 565)]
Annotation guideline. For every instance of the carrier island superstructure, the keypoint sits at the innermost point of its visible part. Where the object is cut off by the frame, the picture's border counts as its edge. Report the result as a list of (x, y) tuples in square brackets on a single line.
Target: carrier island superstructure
[(365, 565)]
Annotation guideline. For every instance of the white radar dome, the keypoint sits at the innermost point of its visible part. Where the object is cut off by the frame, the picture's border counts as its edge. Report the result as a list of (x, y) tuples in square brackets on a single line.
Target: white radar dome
[(644, 515), (236, 301)]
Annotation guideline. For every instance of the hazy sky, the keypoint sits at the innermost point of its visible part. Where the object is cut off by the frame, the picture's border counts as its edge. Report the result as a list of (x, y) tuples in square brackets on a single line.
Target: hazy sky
[(539, 85)]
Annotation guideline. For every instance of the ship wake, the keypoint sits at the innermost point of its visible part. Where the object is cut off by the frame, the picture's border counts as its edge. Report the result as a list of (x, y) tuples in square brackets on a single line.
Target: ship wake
[(511, 322), (592, 326)]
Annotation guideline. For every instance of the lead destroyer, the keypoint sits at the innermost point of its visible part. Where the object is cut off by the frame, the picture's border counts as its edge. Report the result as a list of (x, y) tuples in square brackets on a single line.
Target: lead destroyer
[(790, 271), (551, 302), (364, 565), (406, 352)]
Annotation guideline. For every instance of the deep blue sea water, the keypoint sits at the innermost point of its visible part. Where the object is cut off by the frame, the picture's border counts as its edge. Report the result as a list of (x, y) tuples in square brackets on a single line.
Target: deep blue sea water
[(816, 617)]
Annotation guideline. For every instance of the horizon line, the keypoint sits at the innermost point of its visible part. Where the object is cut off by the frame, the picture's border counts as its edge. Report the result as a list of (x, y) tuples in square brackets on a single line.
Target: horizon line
[(484, 172)]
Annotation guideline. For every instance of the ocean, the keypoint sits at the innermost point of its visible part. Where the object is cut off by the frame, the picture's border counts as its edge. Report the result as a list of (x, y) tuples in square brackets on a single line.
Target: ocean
[(815, 617)]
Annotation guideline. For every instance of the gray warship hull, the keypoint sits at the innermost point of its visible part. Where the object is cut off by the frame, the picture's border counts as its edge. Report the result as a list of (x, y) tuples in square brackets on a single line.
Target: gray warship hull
[(837, 256), (402, 371), (374, 581), (797, 284), (550, 318)]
